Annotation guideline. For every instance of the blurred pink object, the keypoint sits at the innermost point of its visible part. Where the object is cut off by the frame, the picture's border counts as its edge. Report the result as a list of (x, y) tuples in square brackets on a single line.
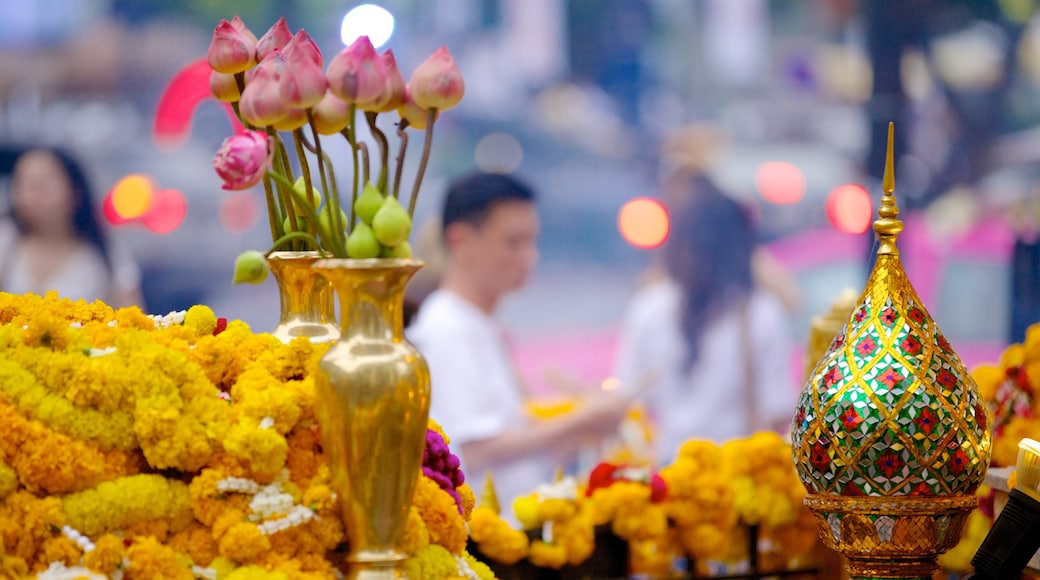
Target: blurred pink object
[(437, 82), (275, 38), (177, 105), (393, 91), (331, 114), (223, 87), (240, 26), (356, 74), (262, 103), (303, 45), (414, 114), (243, 159), (302, 83), (231, 50)]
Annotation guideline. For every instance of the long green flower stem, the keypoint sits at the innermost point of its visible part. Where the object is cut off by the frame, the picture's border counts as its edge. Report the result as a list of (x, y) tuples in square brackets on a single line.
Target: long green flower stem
[(286, 193), (289, 238), (334, 245), (331, 201), (272, 216), (305, 169), (365, 174), (427, 144), (384, 150), (400, 155), (352, 139)]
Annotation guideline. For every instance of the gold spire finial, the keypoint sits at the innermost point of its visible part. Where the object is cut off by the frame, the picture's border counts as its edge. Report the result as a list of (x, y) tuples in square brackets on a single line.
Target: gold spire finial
[(489, 497), (888, 225)]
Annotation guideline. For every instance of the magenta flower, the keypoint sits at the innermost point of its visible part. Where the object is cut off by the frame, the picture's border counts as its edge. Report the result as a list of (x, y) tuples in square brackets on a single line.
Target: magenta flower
[(231, 50), (261, 103), (243, 159), (304, 45), (302, 83), (437, 82)]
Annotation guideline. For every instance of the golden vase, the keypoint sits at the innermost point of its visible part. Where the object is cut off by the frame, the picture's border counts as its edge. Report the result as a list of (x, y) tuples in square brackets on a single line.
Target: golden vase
[(373, 391), (307, 300)]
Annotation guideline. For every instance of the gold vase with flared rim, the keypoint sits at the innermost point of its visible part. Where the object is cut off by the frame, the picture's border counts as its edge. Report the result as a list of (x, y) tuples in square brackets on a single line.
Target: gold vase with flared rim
[(307, 299), (373, 391)]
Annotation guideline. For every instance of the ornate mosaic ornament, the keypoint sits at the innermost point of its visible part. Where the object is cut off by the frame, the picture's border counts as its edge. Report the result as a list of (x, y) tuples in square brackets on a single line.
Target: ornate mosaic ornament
[(890, 437)]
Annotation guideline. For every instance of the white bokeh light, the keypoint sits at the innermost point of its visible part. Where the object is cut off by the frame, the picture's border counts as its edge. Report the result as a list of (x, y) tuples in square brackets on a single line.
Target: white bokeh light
[(498, 153), (369, 20)]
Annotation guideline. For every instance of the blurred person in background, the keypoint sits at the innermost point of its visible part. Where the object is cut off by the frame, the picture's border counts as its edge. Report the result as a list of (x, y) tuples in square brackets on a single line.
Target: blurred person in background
[(710, 344), (53, 239), (490, 231)]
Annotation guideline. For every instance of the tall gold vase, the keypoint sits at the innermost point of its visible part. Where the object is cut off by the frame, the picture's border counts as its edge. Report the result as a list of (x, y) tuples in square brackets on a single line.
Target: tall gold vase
[(307, 300), (373, 391)]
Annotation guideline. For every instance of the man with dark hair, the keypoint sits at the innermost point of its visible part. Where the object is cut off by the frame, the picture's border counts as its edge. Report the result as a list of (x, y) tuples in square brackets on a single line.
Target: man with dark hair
[(490, 232)]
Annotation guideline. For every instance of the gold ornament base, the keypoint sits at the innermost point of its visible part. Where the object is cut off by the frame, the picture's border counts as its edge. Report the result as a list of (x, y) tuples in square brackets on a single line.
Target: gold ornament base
[(382, 567), (891, 537)]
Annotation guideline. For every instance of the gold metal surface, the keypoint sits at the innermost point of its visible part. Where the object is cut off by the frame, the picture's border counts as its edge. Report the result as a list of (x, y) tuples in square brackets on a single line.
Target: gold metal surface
[(373, 393), (307, 300), (824, 328), (888, 226)]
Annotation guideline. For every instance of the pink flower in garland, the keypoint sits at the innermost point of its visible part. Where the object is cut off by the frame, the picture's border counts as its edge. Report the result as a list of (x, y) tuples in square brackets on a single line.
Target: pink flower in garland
[(442, 466)]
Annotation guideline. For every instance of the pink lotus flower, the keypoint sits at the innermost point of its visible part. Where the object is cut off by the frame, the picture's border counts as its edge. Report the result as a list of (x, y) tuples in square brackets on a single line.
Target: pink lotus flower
[(223, 87), (356, 74), (261, 104), (393, 91), (331, 114), (275, 38), (240, 26), (302, 83), (243, 159), (303, 42), (437, 82), (413, 113), (231, 50)]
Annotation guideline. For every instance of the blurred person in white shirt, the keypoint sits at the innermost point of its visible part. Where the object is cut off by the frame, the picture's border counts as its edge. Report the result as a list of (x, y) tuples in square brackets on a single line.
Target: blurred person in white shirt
[(490, 230)]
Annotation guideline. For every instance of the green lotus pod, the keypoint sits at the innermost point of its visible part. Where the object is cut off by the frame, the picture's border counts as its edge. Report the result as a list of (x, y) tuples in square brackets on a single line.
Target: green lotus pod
[(362, 243), (402, 250), (325, 220), (368, 203), (301, 224), (300, 194), (391, 224), (250, 268)]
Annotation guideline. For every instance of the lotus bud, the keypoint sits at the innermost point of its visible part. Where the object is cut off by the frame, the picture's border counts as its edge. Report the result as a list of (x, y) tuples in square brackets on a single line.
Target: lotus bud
[(393, 90), (302, 83), (293, 120), (240, 26), (303, 43), (275, 38), (356, 74), (223, 87), (230, 50), (261, 103), (391, 225), (242, 159), (414, 114), (331, 114), (437, 82), (250, 268), (402, 250), (362, 243)]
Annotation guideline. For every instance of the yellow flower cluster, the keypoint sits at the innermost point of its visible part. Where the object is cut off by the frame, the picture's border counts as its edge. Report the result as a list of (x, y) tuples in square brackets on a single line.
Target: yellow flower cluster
[(1011, 388), (146, 450), (496, 538)]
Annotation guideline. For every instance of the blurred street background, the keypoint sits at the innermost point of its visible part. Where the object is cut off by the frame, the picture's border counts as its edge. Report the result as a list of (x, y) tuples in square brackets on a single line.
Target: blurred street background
[(579, 98)]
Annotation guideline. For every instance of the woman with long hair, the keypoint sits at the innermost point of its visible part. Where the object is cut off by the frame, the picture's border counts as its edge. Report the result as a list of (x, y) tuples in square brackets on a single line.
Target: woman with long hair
[(710, 347), (56, 241)]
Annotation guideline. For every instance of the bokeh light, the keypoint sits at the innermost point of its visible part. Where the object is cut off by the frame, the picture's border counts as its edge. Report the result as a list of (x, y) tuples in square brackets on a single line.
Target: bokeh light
[(167, 211), (849, 208), (643, 222), (498, 153), (132, 196), (109, 211), (239, 212), (780, 182), (369, 20)]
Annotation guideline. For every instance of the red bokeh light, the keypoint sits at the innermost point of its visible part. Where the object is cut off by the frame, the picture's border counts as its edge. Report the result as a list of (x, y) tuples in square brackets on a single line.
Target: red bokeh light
[(239, 211), (780, 182), (167, 211), (849, 208)]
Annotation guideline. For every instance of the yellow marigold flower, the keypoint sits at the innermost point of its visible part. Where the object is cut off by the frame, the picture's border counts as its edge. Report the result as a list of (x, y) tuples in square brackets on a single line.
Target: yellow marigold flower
[(149, 560), (469, 500), (546, 555), (243, 542), (327, 529), (13, 567), (59, 548), (431, 563), (1005, 447), (497, 540), (554, 509), (47, 331), (527, 513), (107, 555), (8, 480), (255, 573), (441, 515), (118, 504), (415, 536), (989, 378), (263, 450), (479, 568), (202, 319)]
